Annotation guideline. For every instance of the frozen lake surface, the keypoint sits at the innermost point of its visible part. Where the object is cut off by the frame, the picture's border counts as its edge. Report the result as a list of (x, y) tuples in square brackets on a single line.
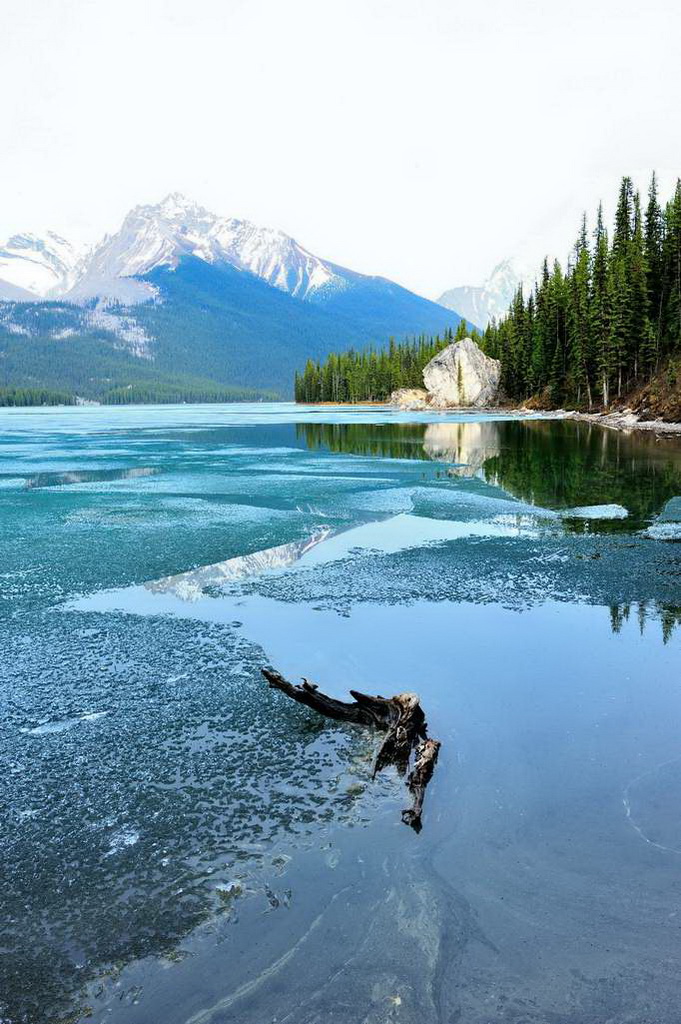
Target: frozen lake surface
[(182, 845)]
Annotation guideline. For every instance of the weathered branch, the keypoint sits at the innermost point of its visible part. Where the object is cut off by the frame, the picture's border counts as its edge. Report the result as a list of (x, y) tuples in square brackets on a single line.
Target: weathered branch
[(402, 719), (364, 710), (408, 723), (419, 777)]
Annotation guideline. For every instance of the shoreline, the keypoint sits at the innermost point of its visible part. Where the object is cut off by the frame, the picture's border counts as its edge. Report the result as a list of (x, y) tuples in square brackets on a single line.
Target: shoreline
[(623, 419)]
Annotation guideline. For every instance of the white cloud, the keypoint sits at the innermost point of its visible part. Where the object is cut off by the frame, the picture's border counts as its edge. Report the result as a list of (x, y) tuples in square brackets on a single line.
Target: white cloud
[(420, 140)]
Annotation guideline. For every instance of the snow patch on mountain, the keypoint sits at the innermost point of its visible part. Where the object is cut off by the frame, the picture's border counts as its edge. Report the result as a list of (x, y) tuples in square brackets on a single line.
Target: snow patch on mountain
[(69, 320), (9, 324), (130, 335), (33, 267), (478, 304)]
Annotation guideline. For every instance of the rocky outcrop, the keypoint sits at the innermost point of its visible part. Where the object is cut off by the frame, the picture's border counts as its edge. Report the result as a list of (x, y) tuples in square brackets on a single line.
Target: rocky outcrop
[(462, 375), (409, 398)]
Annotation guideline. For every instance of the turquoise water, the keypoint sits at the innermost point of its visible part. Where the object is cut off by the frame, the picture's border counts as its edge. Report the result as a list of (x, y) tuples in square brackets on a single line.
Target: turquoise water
[(182, 844)]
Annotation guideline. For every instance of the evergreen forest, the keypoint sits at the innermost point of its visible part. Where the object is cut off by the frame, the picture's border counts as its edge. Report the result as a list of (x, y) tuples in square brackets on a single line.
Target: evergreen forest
[(587, 334), (372, 375), (591, 333)]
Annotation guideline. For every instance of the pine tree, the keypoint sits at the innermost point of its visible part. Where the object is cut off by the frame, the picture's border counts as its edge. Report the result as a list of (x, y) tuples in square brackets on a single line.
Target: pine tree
[(640, 356), (580, 347), (620, 326), (557, 310), (601, 310), (654, 237), (462, 331), (671, 287), (540, 358), (623, 219)]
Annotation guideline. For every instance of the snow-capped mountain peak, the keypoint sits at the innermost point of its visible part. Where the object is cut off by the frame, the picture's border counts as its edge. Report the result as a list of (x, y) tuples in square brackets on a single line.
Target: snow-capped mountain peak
[(160, 235), (176, 206), (32, 266)]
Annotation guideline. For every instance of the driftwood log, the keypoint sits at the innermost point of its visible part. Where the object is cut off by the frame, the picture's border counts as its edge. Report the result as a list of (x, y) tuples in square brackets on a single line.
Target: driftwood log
[(402, 720), (419, 777)]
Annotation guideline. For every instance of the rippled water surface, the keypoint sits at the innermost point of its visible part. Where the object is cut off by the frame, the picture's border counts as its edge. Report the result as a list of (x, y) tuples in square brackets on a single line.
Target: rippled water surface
[(183, 845)]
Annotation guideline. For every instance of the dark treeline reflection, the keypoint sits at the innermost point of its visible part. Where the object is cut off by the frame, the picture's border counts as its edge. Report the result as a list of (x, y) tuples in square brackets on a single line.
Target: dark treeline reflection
[(555, 464), (387, 440), (669, 616), (563, 464)]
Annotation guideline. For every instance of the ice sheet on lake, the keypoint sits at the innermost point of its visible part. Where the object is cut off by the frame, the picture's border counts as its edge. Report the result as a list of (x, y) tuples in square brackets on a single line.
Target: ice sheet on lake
[(401, 533), (472, 499), (86, 476), (595, 512), (398, 534), (667, 526), (664, 531), (389, 499)]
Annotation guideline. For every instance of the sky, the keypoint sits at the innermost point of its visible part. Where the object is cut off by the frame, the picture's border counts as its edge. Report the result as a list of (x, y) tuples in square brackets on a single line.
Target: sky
[(424, 140)]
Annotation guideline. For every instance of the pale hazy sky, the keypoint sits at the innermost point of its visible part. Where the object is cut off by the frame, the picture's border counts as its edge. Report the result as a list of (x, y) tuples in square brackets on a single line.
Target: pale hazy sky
[(420, 140)]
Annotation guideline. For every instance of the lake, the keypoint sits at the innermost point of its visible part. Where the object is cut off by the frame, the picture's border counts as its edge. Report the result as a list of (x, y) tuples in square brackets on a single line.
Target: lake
[(183, 845)]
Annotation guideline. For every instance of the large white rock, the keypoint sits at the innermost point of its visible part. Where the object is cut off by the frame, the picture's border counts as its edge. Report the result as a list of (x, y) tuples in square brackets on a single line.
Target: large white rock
[(462, 375)]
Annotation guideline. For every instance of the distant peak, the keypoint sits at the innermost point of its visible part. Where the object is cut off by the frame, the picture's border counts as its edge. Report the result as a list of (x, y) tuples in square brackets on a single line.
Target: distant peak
[(177, 199), (173, 207), (175, 203)]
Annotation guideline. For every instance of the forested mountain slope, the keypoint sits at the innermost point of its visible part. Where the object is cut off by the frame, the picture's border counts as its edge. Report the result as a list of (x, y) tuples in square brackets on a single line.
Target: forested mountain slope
[(209, 322)]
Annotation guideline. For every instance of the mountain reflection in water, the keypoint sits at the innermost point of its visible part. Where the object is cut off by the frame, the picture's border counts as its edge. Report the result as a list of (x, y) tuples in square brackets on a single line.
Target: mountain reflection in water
[(191, 585)]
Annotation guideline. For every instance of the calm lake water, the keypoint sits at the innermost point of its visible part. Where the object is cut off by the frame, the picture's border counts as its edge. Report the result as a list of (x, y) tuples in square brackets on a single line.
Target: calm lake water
[(182, 845)]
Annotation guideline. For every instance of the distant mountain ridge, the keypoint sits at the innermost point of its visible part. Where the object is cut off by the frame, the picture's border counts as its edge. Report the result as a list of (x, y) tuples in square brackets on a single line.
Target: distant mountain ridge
[(179, 290), (160, 235), (479, 304)]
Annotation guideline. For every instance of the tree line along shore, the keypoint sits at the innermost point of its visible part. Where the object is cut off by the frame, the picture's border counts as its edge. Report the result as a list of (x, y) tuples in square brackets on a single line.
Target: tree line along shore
[(603, 332)]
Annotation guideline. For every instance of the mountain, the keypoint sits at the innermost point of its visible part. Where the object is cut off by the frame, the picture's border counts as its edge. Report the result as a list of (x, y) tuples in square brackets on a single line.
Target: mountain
[(160, 235), (33, 267), (478, 304), (179, 294)]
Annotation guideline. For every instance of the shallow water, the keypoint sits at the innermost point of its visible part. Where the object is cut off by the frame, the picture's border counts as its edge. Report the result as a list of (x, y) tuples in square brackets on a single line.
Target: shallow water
[(181, 843)]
